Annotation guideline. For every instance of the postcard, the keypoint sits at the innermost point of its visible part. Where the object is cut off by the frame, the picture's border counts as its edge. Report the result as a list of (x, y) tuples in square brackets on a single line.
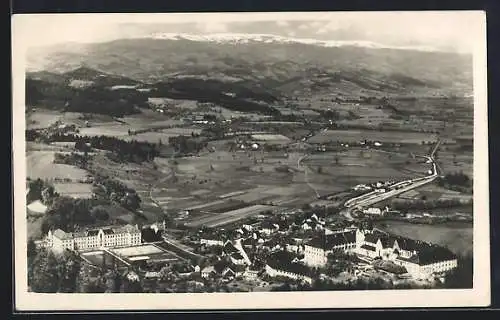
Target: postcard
[(250, 161)]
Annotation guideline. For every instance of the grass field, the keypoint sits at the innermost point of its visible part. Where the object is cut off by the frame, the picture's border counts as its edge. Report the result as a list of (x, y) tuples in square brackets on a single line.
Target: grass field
[(41, 118), (374, 135), (40, 164), (434, 192), (219, 219), (455, 236), (74, 190)]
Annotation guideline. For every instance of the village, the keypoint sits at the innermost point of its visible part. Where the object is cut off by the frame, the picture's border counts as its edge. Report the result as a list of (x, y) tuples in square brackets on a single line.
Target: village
[(261, 253)]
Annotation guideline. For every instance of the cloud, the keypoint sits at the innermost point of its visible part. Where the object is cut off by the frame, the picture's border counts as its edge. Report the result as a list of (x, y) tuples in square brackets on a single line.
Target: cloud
[(304, 26), (282, 23), (315, 24), (212, 27)]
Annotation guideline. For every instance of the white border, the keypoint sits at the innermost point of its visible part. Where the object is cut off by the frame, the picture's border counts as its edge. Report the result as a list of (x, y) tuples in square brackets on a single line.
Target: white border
[(478, 296)]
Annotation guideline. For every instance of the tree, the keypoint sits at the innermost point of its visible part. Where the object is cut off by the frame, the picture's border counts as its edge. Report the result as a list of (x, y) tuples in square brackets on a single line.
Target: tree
[(131, 286), (69, 271), (99, 213), (44, 277), (32, 251), (113, 281)]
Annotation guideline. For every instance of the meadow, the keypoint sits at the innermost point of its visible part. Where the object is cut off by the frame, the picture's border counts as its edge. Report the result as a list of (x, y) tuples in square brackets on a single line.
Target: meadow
[(40, 165), (352, 136)]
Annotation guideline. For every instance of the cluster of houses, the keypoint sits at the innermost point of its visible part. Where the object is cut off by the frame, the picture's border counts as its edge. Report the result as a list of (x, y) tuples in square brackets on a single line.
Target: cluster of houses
[(297, 258)]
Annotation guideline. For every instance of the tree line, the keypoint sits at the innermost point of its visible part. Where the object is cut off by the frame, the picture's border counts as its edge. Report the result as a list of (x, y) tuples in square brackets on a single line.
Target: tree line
[(93, 99), (134, 151)]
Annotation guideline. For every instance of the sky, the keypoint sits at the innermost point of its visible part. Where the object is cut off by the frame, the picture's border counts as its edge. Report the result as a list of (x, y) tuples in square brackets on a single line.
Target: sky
[(447, 30)]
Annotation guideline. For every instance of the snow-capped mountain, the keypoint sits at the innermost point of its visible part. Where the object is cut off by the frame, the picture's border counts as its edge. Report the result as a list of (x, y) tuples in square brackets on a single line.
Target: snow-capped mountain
[(245, 38)]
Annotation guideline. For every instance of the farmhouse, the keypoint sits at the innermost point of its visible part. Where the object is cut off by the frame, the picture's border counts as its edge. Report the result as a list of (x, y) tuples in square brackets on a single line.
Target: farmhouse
[(316, 250), (105, 237)]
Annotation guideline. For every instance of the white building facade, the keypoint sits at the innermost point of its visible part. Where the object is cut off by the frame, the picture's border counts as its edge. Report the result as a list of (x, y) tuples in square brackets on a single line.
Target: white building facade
[(105, 237)]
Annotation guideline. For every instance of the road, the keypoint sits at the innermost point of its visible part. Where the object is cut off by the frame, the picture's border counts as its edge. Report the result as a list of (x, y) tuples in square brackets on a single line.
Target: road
[(306, 178), (379, 195)]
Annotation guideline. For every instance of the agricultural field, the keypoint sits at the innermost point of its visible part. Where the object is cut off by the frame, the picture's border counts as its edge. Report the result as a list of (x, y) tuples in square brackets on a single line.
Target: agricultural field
[(223, 218), (435, 192), (350, 167), (458, 237), (351, 136), (111, 129), (40, 164), (42, 118), (456, 161), (74, 190)]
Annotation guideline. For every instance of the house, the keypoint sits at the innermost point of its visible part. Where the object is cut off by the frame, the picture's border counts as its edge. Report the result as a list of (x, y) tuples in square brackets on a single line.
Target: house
[(268, 228), (211, 241), (152, 275), (373, 211), (208, 272), (281, 264), (104, 237), (237, 258), (317, 249)]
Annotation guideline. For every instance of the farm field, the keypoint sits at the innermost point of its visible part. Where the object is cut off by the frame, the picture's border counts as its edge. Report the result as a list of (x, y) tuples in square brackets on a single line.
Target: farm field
[(381, 136), (41, 118), (435, 192), (458, 237), (74, 190), (219, 219), (364, 165), (39, 164)]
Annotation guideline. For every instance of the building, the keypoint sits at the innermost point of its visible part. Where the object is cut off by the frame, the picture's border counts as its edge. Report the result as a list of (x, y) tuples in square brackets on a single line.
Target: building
[(373, 211), (316, 251), (420, 259), (268, 228), (211, 242), (104, 237), (208, 272)]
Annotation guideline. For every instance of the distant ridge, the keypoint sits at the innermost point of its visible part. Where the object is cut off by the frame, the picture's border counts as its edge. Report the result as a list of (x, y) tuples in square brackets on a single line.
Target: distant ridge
[(243, 38)]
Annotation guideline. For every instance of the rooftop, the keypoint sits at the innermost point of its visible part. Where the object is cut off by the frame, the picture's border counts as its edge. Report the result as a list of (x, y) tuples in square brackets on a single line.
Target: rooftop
[(329, 241)]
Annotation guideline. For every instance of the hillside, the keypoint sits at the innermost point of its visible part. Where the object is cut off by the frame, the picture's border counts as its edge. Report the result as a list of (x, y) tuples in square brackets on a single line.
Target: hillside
[(281, 67)]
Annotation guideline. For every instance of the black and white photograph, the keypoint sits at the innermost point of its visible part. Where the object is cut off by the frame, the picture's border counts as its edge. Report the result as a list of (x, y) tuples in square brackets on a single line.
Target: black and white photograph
[(250, 160)]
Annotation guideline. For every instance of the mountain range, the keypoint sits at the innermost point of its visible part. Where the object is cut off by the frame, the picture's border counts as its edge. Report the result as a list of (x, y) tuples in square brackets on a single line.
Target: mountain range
[(278, 65)]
